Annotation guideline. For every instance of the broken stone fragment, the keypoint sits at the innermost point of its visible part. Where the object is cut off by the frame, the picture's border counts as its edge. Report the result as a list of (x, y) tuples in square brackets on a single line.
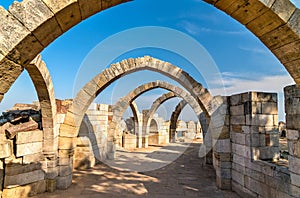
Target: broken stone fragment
[(11, 132)]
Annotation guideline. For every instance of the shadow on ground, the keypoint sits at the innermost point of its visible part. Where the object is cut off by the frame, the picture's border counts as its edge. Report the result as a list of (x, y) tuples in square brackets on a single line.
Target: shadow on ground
[(187, 176)]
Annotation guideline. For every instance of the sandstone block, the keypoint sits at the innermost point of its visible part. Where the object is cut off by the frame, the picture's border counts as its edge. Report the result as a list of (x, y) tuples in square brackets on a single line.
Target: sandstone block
[(24, 178), (51, 172), (237, 110), (235, 99), (238, 177), (65, 153), (65, 170), (65, 161), (63, 182), (60, 118), (295, 179), (5, 149), (263, 97), (50, 185), (237, 120), (292, 134), (16, 169), (242, 191), (29, 137), (294, 191), (239, 138), (283, 9), (223, 183), (11, 132), (239, 168), (241, 150), (292, 122), (37, 187), (67, 143), (67, 131), (294, 164), (253, 165), (68, 16), (259, 176), (20, 191), (254, 185), (222, 146), (29, 148), (238, 159), (269, 108), (260, 120)]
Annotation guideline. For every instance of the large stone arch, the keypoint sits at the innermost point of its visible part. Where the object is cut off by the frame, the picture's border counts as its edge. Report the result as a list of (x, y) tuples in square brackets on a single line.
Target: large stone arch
[(43, 84), (174, 118), (121, 106), (91, 90), (42, 81), (31, 25), (155, 105), (160, 101)]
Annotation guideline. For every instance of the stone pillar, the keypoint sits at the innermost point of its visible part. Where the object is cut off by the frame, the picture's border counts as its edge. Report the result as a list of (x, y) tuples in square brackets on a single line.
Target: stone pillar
[(66, 145), (262, 123), (218, 131), (145, 128), (254, 136), (139, 131), (292, 110)]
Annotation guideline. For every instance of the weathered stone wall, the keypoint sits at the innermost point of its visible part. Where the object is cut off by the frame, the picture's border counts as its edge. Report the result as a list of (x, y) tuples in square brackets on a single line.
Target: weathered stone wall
[(22, 163), (92, 137), (217, 137), (159, 135), (292, 109), (255, 151)]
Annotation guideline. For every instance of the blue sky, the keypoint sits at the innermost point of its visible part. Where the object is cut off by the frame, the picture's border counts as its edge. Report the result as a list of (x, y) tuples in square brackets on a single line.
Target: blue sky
[(243, 61)]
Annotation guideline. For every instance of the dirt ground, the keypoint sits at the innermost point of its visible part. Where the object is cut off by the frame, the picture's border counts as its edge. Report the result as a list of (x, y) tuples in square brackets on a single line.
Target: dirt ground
[(186, 176)]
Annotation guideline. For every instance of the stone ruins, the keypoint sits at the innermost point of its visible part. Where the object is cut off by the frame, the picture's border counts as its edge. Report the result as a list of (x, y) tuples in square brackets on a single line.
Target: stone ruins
[(41, 144)]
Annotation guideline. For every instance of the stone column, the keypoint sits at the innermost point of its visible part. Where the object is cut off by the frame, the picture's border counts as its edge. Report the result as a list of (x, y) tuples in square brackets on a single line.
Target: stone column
[(218, 131), (292, 110), (145, 128)]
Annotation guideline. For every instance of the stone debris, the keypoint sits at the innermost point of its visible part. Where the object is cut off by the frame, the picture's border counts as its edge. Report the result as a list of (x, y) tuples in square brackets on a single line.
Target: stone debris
[(21, 152), (11, 132)]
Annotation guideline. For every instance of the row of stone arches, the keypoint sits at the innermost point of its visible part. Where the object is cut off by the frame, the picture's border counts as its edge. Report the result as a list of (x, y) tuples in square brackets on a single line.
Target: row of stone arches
[(25, 33), (121, 106)]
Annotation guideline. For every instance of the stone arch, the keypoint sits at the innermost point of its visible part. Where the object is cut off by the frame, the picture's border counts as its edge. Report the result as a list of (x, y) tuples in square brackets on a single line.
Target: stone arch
[(174, 118), (153, 125), (42, 81), (136, 116), (155, 105), (121, 106), (31, 25), (90, 91), (25, 33), (161, 100)]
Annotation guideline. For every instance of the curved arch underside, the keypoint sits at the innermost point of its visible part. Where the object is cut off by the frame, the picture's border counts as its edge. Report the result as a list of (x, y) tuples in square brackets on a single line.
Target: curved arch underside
[(90, 91), (121, 106), (31, 25)]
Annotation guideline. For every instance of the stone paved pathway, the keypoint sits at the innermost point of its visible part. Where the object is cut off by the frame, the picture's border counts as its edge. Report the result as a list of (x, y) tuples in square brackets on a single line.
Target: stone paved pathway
[(184, 177)]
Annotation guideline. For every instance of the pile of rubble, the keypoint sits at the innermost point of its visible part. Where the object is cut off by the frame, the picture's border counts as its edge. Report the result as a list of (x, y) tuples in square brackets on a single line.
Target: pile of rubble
[(21, 151), (19, 119)]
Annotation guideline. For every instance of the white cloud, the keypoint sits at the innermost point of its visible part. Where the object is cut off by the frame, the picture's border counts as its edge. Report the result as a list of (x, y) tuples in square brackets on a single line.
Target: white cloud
[(195, 29), (255, 50), (238, 83)]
